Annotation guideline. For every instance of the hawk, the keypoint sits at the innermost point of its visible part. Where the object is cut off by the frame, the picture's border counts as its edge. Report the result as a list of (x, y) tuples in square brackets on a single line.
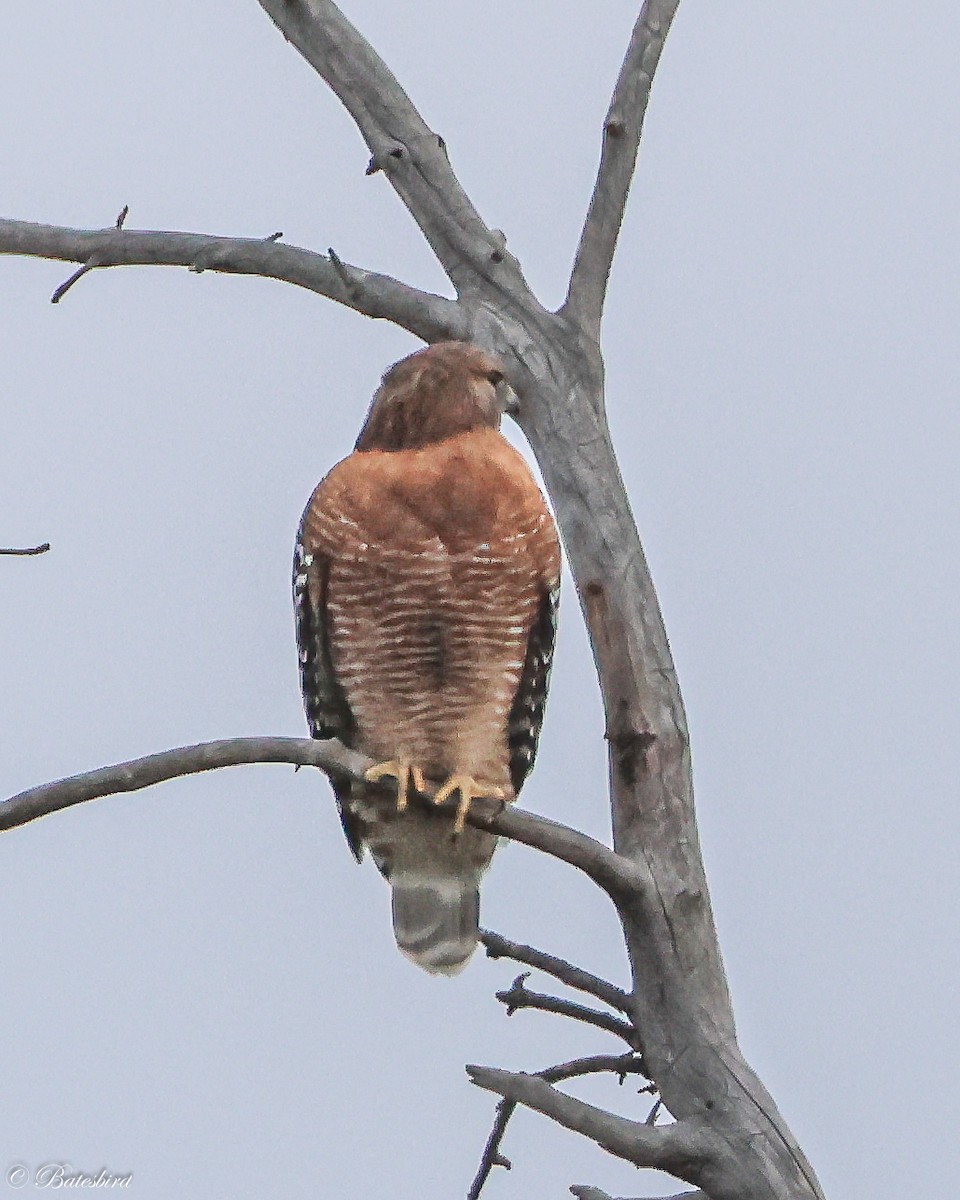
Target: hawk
[(426, 580)]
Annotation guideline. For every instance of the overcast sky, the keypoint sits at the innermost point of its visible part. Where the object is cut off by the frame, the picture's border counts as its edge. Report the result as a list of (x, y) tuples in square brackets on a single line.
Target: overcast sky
[(198, 985)]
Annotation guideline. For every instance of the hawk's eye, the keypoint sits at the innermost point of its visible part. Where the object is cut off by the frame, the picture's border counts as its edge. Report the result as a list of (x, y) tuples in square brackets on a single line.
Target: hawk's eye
[(495, 377)]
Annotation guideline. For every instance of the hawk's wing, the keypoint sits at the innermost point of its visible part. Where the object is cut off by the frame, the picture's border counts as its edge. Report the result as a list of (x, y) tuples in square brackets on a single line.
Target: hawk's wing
[(526, 714), (328, 714)]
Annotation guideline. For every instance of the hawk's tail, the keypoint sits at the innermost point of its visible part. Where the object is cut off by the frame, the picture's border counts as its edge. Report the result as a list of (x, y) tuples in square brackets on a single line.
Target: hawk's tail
[(436, 919)]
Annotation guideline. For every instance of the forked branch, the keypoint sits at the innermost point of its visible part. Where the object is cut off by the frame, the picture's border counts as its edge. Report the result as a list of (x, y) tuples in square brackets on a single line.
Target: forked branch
[(411, 155), (681, 1148), (623, 1065)]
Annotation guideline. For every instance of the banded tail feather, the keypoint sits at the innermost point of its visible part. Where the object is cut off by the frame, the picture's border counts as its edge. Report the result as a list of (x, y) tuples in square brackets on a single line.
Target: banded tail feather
[(436, 920)]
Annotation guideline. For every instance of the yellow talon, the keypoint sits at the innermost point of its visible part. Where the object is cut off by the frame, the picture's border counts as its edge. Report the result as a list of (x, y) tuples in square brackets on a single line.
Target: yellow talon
[(469, 789), (402, 770)]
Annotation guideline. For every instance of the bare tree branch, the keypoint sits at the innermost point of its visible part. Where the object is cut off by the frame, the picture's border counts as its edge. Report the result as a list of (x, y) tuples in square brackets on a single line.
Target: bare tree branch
[(682, 1148), (569, 845), (621, 141), (596, 1064), (401, 144), (622, 1065), (330, 756), (491, 1156), (29, 550), (518, 996), (574, 977), (615, 875), (424, 314)]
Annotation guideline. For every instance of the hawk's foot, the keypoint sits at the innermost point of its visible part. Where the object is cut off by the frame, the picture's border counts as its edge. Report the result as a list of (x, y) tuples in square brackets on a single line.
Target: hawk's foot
[(469, 789), (402, 770)]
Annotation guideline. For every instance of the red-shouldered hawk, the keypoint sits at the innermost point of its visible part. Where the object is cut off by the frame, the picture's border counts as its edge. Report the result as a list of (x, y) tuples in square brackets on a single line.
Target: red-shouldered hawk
[(426, 580)]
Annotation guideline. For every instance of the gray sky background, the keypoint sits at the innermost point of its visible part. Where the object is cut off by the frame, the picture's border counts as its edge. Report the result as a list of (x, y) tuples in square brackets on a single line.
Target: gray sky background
[(197, 984)]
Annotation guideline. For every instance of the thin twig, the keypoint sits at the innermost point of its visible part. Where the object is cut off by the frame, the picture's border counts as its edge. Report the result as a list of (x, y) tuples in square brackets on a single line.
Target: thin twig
[(122, 216), (491, 1156), (350, 281), (518, 996), (29, 550), (621, 1065), (498, 946), (90, 265)]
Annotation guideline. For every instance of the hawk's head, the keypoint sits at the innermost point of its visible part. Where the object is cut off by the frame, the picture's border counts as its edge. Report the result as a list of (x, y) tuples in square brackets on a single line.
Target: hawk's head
[(437, 393)]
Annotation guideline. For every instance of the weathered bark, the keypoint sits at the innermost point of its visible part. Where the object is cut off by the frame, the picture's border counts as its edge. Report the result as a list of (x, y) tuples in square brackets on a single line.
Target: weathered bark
[(681, 1003)]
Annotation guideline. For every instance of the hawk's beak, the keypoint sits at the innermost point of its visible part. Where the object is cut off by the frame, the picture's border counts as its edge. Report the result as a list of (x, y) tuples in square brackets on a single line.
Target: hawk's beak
[(511, 404)]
